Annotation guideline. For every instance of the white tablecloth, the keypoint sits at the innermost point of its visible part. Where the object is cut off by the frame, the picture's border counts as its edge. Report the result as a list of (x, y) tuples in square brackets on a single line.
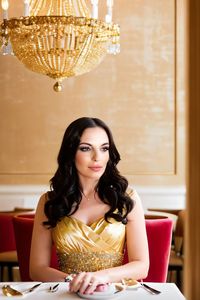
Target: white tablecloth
[(169, 291)]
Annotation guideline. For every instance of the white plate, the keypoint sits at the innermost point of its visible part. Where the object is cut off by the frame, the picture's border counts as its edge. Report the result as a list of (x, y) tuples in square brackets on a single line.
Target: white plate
[(111, 293)]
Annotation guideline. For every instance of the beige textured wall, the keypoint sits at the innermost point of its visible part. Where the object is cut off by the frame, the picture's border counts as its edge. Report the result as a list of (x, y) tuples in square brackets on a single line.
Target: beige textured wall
[(139, 93)]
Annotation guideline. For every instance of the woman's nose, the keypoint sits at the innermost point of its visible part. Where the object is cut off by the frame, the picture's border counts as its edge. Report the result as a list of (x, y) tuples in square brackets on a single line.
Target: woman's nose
[(96, 156)]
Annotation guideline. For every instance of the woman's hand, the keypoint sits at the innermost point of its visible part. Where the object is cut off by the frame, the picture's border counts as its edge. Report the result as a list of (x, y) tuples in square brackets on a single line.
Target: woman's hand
[(88, 282)]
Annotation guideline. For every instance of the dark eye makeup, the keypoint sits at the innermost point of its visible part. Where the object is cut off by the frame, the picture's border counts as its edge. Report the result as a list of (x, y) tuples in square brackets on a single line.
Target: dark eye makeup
[(84, 148)]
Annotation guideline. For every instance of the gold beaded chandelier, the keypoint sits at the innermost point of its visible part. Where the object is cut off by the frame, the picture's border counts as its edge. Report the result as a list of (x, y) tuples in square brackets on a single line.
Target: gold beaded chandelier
[(59, 38)]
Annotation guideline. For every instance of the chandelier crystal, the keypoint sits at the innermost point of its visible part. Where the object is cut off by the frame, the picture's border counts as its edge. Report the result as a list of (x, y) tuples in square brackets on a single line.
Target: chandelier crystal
[(60, 38)]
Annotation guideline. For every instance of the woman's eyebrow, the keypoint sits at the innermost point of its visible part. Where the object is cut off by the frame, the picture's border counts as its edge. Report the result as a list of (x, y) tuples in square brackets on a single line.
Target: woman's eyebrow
[(88, 144), (83, 143)]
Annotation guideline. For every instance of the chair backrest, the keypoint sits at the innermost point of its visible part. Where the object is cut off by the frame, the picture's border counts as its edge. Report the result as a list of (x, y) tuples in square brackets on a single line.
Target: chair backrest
[(159, 234), (7, 237), (23, 228)]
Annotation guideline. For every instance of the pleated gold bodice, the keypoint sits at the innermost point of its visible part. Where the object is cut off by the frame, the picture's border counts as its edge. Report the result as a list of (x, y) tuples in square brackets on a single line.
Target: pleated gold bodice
[(89, 248)]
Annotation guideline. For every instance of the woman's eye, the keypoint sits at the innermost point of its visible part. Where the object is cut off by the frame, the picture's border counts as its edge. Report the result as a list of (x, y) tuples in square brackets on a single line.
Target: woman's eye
[(104, 149), (84, 149)]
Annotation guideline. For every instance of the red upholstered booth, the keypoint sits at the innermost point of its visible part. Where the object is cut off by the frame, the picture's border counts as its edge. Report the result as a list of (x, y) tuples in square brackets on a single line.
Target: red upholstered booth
[(8, 257), (8, 253), (7, 233), (23, 227), (7, 236), (159, 232)]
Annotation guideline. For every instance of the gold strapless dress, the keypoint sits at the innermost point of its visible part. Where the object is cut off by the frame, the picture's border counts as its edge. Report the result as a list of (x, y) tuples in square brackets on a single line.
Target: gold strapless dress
[(88, 248)]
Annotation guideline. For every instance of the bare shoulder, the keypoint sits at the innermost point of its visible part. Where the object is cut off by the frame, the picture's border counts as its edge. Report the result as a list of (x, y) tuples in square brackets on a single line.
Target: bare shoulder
[(40, 206), (137, 209), (43, 199), (133, 194)]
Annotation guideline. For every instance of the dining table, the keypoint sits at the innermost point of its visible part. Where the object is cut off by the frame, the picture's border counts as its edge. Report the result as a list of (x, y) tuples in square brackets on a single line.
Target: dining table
[(42, 292)]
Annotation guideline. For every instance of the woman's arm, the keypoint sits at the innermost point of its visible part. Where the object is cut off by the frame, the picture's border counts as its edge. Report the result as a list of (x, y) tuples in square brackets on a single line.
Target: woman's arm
[(136, 239), (137, 247), (41, 248)]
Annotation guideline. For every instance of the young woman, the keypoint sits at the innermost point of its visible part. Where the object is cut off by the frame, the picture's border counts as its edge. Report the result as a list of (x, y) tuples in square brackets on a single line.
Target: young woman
[(90, 215)]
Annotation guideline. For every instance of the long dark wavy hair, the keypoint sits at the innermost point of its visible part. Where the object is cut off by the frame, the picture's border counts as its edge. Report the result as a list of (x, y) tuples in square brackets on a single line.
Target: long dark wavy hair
[(65, 191)]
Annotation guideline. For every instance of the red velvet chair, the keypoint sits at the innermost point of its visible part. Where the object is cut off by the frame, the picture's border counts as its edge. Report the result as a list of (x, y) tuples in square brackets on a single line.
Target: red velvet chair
[(8, 255), (7, 236), (23, 227), (6, 233), (159, 234)]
